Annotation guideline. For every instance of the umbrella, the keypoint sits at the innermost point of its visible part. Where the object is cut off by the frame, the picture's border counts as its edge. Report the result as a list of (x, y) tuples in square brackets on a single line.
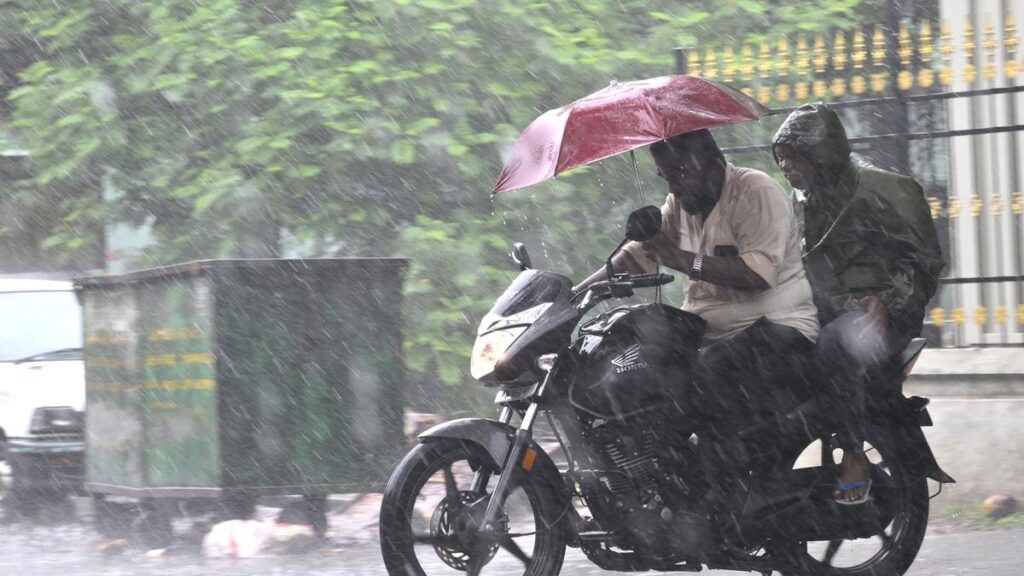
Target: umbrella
[(621, 118)]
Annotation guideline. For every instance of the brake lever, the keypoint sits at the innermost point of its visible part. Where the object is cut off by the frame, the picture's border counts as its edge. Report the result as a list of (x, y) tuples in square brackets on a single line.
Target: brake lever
[(621, 289)]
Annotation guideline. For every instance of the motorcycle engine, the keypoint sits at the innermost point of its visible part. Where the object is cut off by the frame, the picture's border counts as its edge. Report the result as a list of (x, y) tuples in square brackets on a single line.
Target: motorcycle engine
[(634, 459), (649, 484)]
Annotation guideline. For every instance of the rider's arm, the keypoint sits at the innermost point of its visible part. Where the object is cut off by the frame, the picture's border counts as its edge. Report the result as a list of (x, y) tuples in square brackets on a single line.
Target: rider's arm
[(915, 258), (631, 258), (728, 271), (621, 262)]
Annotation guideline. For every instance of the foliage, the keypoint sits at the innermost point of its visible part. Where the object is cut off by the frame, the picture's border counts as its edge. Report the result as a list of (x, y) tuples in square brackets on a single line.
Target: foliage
[(331, 127)]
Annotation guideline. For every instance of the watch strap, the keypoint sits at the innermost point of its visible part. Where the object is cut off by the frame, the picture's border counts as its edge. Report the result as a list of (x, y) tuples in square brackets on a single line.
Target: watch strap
[(697, 268)]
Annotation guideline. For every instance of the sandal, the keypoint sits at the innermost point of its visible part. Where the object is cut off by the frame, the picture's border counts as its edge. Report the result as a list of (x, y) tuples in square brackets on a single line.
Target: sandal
[(843, 487)]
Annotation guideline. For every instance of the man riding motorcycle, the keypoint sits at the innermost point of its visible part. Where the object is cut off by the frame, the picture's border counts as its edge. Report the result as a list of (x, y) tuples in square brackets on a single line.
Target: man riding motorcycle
[(661, 472), (733, 232)]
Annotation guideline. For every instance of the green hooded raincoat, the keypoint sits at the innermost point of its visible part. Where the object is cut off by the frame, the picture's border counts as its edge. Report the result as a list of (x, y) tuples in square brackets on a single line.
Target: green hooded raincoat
[(867, 231)]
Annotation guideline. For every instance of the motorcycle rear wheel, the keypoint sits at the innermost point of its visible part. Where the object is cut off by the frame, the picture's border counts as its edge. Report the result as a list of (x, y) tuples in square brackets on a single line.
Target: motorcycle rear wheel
[(900, 540), (413, 544)]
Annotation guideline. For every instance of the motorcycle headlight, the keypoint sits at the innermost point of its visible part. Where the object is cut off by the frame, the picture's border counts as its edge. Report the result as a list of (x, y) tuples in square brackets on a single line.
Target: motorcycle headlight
[(489, 349)]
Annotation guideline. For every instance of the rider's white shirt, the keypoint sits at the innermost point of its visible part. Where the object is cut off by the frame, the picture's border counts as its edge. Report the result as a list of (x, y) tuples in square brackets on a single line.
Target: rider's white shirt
[(755, 216)]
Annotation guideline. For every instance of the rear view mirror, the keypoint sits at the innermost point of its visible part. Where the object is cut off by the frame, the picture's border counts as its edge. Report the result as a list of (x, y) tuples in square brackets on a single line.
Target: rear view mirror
[(520, 256), (643, 224)]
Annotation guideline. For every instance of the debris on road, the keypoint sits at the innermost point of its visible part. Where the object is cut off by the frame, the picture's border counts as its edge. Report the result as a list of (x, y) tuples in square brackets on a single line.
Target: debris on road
[(1000, 506)]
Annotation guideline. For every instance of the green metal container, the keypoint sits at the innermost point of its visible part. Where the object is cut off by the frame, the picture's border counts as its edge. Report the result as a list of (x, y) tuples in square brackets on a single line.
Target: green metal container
[(246, 376)]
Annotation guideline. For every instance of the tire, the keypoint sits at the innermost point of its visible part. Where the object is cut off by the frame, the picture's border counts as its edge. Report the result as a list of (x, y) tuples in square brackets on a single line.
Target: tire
[(152, 527), (907, 499), (316, 507), (311, 510), (404, 556), (19, 504)]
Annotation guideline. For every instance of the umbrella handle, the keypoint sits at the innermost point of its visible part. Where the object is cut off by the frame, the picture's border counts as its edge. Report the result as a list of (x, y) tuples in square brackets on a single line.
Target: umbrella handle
[(636, 172)]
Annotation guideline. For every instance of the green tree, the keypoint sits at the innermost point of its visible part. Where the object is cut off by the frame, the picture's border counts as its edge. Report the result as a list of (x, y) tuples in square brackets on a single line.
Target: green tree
[(330, 127)]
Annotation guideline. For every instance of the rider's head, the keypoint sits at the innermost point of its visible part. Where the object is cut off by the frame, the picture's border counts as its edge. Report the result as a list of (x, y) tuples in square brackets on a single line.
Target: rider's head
[(811, 147), (694, 167)]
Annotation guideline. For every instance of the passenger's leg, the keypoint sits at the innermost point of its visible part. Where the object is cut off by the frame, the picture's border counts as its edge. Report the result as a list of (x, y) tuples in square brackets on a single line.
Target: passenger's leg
[(849, 350)]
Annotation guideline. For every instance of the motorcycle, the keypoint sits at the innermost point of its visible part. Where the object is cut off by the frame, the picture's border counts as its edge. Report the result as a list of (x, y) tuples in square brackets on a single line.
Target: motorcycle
[(632, 492)]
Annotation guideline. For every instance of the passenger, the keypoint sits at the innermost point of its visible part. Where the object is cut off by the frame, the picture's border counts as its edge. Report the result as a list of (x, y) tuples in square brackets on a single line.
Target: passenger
[(873, 259)]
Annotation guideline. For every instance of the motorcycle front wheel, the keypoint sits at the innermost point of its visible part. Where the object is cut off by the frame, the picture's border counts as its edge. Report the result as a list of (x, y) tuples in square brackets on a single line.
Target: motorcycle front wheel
[(892, 550), (430, 514)]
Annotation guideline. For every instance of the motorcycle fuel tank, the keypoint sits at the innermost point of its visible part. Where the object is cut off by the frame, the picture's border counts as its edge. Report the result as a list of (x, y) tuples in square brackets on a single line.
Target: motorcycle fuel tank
[(635, 359)]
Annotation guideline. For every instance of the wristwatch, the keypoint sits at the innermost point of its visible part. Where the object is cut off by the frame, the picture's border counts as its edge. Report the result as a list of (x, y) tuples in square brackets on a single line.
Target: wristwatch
[(695, 269)]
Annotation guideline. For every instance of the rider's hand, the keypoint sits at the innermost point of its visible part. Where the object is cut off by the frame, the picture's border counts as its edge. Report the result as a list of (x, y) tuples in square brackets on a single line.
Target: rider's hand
[(876, 315), (650, 250), (663, 250)]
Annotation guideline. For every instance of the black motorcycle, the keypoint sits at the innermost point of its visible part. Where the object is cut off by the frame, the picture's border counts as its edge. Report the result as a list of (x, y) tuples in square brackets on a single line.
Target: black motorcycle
[(632, 494)]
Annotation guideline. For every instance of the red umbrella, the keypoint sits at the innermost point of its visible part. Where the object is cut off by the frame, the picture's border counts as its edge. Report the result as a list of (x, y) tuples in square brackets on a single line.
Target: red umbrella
[(621, 118)]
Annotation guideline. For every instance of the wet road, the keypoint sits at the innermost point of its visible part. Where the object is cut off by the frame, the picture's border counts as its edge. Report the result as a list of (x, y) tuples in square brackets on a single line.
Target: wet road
[(70, 549), (989, 553)]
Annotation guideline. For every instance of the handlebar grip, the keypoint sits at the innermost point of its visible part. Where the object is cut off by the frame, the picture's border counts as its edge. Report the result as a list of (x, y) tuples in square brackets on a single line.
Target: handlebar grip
[(649, 280)]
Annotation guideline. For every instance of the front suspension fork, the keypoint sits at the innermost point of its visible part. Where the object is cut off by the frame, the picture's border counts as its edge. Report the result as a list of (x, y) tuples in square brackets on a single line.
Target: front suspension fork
[(521, 441)]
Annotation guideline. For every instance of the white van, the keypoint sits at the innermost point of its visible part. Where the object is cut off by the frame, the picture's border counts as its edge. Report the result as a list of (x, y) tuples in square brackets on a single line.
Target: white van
[(42, 387)]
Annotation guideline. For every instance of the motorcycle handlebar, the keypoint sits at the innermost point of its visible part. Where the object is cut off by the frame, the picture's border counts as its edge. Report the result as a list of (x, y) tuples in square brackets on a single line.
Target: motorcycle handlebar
[(621, 287), (650, 280)]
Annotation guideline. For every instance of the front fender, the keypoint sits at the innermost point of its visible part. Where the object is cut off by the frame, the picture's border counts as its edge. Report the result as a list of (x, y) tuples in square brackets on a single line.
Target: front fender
[(496, 439)]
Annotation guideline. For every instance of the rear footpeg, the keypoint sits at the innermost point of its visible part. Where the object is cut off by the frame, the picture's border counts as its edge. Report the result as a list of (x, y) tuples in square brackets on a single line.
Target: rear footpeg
[(596, 536)]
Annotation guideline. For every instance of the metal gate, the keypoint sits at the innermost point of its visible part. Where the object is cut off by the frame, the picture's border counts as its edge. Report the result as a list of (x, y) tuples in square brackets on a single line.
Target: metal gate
[(934, 97)]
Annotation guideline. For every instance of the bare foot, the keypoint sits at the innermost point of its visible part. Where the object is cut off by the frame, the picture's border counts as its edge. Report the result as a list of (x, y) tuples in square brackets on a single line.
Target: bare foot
[(854, 478)]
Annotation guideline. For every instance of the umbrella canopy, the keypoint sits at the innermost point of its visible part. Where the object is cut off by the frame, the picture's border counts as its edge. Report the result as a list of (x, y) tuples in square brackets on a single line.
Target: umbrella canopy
[(622, 117)]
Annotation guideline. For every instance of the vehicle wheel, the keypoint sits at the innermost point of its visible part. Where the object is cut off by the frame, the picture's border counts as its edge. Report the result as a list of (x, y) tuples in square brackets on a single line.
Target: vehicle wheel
[(311, 510), (152, 527), (19, 504), (113, 519), (316, 513), (903, 502), (429, 506)]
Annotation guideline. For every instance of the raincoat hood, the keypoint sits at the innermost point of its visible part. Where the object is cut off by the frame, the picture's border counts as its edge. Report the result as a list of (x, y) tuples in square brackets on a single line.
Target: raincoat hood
[(815, 130), (869, 231)]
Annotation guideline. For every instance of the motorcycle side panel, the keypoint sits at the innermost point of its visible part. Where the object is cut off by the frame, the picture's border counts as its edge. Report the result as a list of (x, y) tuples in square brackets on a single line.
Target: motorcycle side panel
[(635, 360), (910, 446)]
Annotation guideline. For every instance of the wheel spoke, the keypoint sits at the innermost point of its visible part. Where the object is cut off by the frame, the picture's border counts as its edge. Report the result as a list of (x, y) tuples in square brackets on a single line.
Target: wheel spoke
[(830, 552), (451, 490), (509, 544), (826, 452)]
